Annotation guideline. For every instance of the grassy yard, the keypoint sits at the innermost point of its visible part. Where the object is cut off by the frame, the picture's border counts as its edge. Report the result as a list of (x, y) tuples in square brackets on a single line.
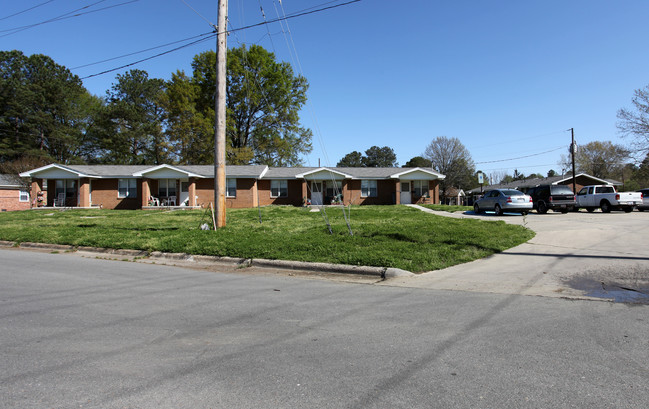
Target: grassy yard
[(448, 208), (387, 236)]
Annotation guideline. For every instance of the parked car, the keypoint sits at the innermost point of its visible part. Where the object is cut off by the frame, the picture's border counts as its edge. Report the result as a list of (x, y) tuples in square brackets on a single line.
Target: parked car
[(607, 198), (645, 200), (553, 197), (504, 200)]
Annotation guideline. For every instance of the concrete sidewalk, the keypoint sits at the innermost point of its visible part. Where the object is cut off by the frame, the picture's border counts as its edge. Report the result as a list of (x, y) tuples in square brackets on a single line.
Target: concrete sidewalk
[(567, 248)]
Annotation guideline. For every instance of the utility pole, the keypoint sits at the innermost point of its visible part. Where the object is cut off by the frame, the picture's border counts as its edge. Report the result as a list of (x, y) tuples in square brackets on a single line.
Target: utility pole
[(220, 112), (573, 150)]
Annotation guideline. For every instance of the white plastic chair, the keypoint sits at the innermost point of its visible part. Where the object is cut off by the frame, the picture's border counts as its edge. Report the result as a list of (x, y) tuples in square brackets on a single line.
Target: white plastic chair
[(60, 200)]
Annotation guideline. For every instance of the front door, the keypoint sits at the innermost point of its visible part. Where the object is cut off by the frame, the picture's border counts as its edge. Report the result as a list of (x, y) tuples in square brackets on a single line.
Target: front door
[(316, 193), (184, 193), (405, 197)]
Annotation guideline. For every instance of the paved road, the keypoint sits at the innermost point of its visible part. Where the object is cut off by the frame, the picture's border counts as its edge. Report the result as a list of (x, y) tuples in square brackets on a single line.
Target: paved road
[(84, 332), (586, 249)]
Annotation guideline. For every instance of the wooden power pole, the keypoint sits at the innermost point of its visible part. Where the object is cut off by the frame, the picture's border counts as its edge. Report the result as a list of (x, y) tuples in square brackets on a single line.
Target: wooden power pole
[(573, 151), (220, 112)]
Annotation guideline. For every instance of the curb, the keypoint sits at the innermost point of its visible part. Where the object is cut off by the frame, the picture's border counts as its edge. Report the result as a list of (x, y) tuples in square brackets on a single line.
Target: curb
[(381, 272)]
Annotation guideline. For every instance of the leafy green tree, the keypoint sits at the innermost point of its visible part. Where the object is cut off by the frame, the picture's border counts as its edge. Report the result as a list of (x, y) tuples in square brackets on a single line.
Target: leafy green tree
[(552, 173), (44, 109), (264, 98), (376, 157), (451, 158), (351, 160), (133, 121), (418, 162), (190, 132), (635, 122)]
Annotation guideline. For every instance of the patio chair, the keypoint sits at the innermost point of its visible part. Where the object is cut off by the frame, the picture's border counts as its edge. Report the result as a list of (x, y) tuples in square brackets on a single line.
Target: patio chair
[(154, 201), (60, 200), (170, 201)]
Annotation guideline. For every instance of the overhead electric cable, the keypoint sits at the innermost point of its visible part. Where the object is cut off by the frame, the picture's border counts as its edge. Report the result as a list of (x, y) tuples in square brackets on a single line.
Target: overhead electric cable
[(150, 58), (65, 16), (199, 14), (142, 51), (521, 157), (215, 33), (26, 10)]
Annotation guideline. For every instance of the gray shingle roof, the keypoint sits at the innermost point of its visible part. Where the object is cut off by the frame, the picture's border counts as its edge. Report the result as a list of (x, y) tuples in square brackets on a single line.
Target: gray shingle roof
[(8, 181), (241, 171)]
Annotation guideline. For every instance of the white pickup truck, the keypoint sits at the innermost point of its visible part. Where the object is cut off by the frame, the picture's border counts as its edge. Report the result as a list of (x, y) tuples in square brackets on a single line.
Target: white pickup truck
[(607, 198)]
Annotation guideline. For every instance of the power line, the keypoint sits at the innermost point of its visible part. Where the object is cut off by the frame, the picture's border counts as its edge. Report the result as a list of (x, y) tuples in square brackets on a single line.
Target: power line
[(26, 10), (521, 157), (199, 14), (215, 33), (65, 16), (142, 51), (150, 58)]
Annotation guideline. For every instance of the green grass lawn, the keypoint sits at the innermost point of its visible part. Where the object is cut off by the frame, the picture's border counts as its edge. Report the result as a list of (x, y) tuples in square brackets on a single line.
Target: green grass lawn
[(448, 208), (386, 236)]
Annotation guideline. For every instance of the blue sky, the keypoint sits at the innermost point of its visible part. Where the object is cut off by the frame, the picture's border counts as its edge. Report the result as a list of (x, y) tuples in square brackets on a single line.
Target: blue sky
[(508, 78)]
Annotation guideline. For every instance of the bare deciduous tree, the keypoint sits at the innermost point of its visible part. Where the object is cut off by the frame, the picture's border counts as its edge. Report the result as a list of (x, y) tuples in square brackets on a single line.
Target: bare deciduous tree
[(451, 158), (635, 122)]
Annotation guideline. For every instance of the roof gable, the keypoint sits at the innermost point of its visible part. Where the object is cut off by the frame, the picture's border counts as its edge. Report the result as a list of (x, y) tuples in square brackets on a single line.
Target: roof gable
[(323, 174), (418, 174), (54, 171)]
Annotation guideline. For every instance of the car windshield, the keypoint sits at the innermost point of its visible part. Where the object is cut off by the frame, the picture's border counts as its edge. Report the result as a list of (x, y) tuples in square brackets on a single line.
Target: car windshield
[(561, 190), (512, 192)]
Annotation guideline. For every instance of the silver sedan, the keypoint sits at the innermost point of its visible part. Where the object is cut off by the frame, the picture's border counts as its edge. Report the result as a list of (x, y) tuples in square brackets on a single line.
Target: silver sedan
[(504, 200)]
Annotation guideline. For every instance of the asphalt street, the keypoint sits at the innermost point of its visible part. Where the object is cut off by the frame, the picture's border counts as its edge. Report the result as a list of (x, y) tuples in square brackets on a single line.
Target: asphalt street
[(85, 332), (571, 256)]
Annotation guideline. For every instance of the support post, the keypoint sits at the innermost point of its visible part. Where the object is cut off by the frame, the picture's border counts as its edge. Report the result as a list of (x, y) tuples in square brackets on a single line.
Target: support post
[(220, 112), (573, 150)]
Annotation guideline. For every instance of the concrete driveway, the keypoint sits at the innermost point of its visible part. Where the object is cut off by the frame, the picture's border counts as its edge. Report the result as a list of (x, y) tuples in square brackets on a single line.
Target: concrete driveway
[(572, 255)]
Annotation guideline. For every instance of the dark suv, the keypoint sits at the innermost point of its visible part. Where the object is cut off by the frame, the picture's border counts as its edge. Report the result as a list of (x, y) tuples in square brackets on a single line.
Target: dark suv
[(555, 197)]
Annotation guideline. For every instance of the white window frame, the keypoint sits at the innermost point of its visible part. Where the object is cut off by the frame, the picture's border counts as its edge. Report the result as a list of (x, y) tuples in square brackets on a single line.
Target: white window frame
[(128, 191), (163, 187), (418, 187), (66, 186), (369, 188), (23, 195), (280, 187), (231, 187)]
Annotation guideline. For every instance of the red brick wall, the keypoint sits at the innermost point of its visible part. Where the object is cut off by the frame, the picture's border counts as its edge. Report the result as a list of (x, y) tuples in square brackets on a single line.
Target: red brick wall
[(385, 193), (10, 200), (245, 195), (294, 194), (104, 193)]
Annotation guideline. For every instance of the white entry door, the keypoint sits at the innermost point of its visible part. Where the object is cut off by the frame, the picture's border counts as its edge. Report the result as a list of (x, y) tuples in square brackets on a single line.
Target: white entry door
[(405, 193), (184, 193), (316, 193)]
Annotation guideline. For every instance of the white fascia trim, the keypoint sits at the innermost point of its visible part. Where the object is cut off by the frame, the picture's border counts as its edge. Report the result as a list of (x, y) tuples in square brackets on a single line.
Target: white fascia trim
[(302, 175), (261, 175), (430, 172), (164, 166), (30, 173), (602, 181)]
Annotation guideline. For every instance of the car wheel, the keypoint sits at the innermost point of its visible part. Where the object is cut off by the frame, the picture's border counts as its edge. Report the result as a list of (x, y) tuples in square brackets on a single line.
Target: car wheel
[(605, 206), (590, 209), (543, 209), (476, 209), (564, 211), (628, 209), (498, 210), (640, 209)]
